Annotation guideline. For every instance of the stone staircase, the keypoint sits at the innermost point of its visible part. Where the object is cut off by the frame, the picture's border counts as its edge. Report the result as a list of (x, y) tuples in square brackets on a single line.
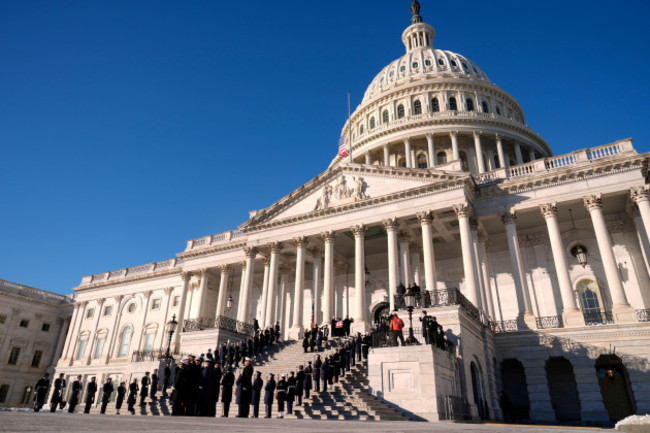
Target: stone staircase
[(347, 400)]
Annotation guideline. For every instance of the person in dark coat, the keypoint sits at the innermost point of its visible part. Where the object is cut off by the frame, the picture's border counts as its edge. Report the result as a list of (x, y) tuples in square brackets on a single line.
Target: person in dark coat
[(204, 406), (325, 372), (281, 395), (331, 371), (226, 393), (91, 389), (269, 390), (216, 387), (305, 342), (154, 385), (133, 396), (307, 380), (167, 379), (121, 392), (57, 393), (258, 383), (346, 326), (245, 389), (41, 391), (317, 370), (300, 382), (77, 386), (291, 392), (144, 389), (107, 390), (181, 389), (223, 353)]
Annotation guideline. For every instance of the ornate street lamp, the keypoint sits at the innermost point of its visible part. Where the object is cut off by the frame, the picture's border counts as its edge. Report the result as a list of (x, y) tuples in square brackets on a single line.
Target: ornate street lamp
[(171, 328), (229, 303), (580, 253), (409, 301)]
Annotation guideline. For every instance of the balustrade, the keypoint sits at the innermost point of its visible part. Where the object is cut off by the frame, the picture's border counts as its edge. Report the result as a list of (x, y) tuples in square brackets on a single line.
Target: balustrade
[(643, 315), (219, 322), (598, 318), (549, 322)]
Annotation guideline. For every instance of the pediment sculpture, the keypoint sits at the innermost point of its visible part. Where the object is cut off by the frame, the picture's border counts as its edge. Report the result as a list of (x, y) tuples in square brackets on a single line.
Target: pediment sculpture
[(338, 193)]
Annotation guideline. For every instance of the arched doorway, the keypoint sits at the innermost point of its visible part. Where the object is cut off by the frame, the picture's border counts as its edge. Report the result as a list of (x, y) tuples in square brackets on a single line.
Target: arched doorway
[(477, 388), (614, 387), (514, 398), (563, 389), (381, 312)]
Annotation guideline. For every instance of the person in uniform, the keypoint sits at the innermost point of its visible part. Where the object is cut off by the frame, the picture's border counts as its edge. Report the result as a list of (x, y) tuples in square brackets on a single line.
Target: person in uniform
[(226, 393), (91, 390), (269, 390), (300, 382), (291, 392), (77, 386), (133, 396), (144, 390), (258, 383), (41, 391), (325, 372), (107, 390), (245, 389), (59, 387), (167, 379), (121, 392), (181, 389), (204, 406), (281, 395), (216, 387), (307, 380), (154, 385), (317, 369)]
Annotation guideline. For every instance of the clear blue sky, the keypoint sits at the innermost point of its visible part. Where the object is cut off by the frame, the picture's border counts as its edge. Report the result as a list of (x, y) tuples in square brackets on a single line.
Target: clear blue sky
[(127, 127)]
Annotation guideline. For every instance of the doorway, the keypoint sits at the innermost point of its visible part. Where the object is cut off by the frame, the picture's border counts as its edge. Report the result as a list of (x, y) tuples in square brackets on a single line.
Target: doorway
[(563, 389)]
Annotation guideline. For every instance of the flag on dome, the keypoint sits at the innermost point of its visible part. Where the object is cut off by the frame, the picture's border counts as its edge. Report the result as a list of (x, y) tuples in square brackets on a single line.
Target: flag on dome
[(343, 149)]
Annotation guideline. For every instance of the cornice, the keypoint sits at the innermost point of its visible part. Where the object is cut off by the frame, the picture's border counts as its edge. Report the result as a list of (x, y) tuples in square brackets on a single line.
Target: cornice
[(116, 283), (210, 249)]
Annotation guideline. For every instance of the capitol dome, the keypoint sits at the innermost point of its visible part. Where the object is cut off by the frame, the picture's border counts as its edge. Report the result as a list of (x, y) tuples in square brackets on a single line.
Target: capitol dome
[(433, 108)]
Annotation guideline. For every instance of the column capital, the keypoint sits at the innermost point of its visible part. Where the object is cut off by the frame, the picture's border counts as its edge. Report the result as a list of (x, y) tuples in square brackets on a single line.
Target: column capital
[(147, 294), (276, 247), (284, 268), (640, 193), (328, 236), (250, 252), (186, 275), (463, 210), (225, 269), (482, 236), (266, 260), (391, 224), (593, 202), (168, 290), (429, 135), (243, 266), (359, 230), (407, 140), (119, 298), (497, 137), (510, 217), (548, 210), (453, 133), (425, 217), (315, 251), (301, 242), (404, 236), (81, 304), (477, 134), (473, 223)]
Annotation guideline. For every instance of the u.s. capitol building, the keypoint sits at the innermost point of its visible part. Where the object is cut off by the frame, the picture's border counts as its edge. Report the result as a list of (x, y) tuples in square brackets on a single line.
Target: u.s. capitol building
[(449, 188)]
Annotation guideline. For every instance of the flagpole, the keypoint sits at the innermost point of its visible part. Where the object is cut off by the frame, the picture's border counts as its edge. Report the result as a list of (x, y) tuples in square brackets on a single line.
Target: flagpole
[(349, 127)]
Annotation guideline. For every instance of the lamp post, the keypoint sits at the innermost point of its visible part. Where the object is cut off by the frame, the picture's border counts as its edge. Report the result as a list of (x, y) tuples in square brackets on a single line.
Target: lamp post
[(409, 301), (171, 328), (229, 303), (580, 253)]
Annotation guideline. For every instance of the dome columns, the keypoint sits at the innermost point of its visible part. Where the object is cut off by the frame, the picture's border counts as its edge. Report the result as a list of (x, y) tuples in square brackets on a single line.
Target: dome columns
[(430, 148), (455, 154), (520, 158), (479, 152), (407, 152), (502, 160)]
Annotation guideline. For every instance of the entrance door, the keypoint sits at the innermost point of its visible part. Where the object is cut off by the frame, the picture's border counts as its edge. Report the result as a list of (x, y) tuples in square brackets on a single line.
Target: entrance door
[(614, 387), (514, 398), (563, 389)]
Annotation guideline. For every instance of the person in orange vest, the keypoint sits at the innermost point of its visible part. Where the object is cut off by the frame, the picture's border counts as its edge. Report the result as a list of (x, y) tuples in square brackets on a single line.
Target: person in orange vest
[(396, 326)]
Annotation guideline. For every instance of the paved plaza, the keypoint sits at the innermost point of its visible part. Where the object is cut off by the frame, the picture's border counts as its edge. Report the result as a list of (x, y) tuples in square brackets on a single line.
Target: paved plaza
[(63, 422)]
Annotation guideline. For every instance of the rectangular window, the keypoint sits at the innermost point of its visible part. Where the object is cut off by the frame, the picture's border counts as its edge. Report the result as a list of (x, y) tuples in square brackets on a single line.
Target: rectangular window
[(90, 313), (13, 357), (108, 310), (177, 301), (3, 319), (27, 395), (81, 349), (99, 347), (36, 360), (4, 392), (148, 343), (155, 304), (45, 327), (24, 323)]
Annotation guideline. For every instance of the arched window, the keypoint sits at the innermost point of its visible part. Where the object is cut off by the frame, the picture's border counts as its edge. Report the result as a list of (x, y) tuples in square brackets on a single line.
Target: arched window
[(384, 116), (470, 104), (463, 160), (590, 301), (422, 161), (498, 110), (400, 111), (435, 105), (452, 104), (125, 340), (401, 162), (360, 129), (372, 123), (441, 158), (417, 107), (484, 106)]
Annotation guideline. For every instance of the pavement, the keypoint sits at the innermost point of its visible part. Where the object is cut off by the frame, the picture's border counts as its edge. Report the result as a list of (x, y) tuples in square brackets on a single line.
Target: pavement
[(69, 423)]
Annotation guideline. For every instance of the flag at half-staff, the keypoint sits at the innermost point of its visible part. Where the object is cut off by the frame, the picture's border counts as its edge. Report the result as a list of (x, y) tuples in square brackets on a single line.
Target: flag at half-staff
[(343, 148)]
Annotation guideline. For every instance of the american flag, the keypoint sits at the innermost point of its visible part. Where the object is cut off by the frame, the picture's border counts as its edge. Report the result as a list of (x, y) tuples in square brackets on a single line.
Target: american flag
[(343, 149)]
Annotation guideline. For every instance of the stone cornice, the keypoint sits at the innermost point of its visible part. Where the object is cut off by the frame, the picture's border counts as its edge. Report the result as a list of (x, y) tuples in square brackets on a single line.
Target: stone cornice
[(134, 278), (212, 249)]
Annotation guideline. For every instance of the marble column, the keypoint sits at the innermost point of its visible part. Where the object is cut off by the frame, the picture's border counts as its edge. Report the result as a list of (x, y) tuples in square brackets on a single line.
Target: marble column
[(202, 293), (368, 162), (266, 260), (415, 263), (181, 309), (525, 317), (100, 305), (454, 146), (405, 259), (407, 152), (160, 340), (571, 315), (426, 219), (432, 151), (391, 226), (147, 295), (531, 155), (386, 155), (114, 329), (297, 325), (641, 233), (502, 160), (328, 277), (223, 288), (463, 212), (269, 320), (243, 312), (482, 303), (621, 309), (478, 148), (483, 261), (520, 159), (640, 196), (282, 298), (64, 324), (74, 328), (316, 281), (360, 323)]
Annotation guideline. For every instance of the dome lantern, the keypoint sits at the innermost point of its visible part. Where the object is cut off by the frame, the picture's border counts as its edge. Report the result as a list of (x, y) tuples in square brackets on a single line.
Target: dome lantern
[(418, 35)]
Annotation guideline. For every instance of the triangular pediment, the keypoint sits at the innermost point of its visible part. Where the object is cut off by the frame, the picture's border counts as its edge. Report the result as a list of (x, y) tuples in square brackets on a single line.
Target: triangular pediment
[(349, 184)]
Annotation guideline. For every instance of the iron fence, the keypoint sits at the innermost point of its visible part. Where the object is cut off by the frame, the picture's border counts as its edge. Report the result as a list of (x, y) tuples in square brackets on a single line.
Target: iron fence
[(504, 326), (549, 322), (441, 298), (598, 318), (454, 408), (384, 338), (643, 315)]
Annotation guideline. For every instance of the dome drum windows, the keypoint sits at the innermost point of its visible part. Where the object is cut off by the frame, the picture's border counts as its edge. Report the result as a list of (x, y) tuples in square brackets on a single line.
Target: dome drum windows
[(360, 129), (453, 106), (400, 111), (469, 102), (422, 161), (484, 106), (385, 117), (441, 158), (372, 123), (417, 107), (435, 105)]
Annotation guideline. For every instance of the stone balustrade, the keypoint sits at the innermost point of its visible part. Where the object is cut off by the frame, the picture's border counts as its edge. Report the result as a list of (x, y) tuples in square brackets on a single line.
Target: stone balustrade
[(136, 270), (31, 292), (218, 322), (207, 241)]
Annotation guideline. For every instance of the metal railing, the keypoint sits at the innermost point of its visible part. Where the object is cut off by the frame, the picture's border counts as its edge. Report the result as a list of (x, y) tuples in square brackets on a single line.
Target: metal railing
[(504, 326), (549, 322), (643, 315), (454, 408), (219, 322), (598, 318), (382, 338), (441, 298)]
